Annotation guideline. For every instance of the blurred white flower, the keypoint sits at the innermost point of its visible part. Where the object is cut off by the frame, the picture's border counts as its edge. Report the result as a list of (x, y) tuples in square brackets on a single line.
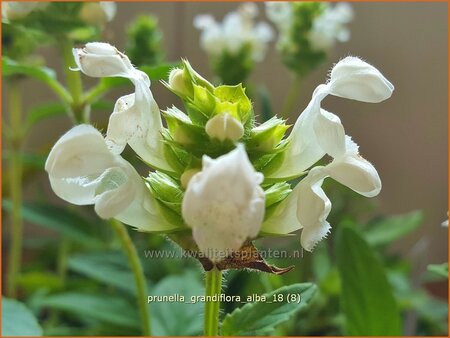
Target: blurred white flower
[(224, 204), (98, 13), (83, 171), (136, 118), (237, 31), (330, 26), (13, 10)]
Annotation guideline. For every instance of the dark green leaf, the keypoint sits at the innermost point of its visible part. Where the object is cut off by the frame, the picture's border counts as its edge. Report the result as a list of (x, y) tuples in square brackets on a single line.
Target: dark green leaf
[(388, 230), (56, 218), (261, 318), (18, 321), (104, 267), (178, 318), (367, 298), (105, 308)]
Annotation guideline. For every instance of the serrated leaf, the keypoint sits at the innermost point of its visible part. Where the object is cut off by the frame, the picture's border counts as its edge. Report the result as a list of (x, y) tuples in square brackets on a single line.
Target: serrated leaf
[(261, 318), (18, 321), (367, 298), (389, 230), (110, 309), (56, 218)]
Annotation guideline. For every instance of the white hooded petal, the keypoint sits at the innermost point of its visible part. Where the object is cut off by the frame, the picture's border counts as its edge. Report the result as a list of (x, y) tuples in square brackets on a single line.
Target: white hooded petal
[(355, 79), (136, 118), (99, 59), (313, 208), (83, 171), (224, 204), (356, 173)]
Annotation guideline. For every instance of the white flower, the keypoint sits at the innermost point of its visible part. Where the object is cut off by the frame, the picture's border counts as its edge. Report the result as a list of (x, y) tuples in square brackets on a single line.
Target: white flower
[(224, 204), (235, 32), (12, 10), (136, 119), (318, 132), (330, 26), (280, 13), (83, 171)]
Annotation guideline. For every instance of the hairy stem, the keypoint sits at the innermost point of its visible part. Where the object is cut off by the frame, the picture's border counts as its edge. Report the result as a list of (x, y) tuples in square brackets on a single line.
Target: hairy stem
[(213, 286), (138, 273), (291, 97), (15, 182)]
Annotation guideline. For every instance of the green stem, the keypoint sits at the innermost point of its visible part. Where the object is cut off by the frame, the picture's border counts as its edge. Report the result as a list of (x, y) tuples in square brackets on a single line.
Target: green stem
[(94, 93), (139, 277), (73, 80), (213, 286), (291, 97), (15, 181)]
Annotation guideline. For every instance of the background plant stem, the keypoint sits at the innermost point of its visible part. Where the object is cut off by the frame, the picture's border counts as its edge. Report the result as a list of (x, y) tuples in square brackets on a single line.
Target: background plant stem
[(139, 277), (15, 181), (213, 286), (73, 80), (291, 97)]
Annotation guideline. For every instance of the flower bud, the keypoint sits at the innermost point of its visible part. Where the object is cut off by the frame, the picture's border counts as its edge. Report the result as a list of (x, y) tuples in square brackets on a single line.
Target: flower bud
[(224, 127), (178, 83)]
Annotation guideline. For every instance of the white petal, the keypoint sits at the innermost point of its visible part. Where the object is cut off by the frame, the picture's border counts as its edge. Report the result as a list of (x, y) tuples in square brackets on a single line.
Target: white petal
[(313, 208), (83, 171), (330, 133), (355, 79), (224, 127), (303, 150), (356, 173), (224, 204), (99, 59), (110, 9), (79, 152)]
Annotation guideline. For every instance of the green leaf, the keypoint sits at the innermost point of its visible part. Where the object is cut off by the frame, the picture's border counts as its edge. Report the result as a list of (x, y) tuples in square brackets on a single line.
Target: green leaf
[(110, 309), (178, 318), (18, 321), (439, 269), (44, 74), (261, 318), (56, 218), (44, 111), (367, 298), (110, 268), (391, 229)]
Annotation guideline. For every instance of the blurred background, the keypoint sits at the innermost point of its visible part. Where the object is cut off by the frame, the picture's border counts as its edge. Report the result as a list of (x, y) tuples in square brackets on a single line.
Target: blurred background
[(405, 137)]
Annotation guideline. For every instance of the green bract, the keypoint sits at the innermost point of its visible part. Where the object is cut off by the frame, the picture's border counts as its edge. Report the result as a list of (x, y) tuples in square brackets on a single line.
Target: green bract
[(190, 134)]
